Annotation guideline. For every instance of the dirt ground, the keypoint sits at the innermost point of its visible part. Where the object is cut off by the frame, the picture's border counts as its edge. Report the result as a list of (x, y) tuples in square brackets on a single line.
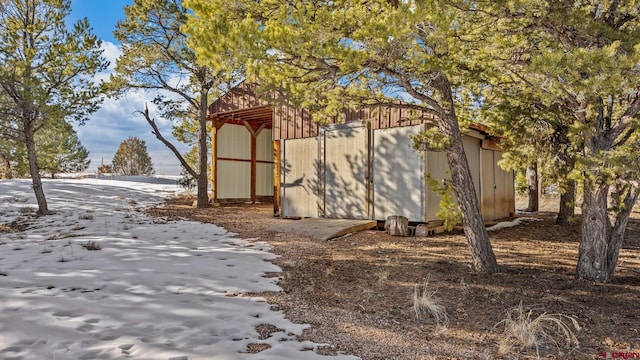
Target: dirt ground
[(356, 291)]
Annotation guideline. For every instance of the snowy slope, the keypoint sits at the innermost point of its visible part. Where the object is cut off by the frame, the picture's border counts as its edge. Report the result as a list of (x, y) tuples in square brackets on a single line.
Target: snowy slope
[(156, 289)]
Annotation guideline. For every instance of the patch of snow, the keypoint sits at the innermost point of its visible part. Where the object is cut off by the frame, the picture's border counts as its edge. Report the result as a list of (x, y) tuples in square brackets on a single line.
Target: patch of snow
[(512, 223), (156, 289)]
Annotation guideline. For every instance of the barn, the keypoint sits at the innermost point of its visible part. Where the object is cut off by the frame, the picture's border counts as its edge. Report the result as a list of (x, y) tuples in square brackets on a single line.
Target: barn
[(360, 167)]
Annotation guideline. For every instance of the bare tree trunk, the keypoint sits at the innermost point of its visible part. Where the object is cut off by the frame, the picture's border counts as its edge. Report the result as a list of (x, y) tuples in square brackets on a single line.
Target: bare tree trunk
[(532, 185), (566, 212), (624, 202), (29, 132), (596, 229), (484, 260), (203, 182), (601, 241)]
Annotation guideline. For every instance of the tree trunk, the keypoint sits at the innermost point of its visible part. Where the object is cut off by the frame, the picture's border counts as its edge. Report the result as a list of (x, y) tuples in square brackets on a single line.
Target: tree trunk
[(566, 212), (628, 198), (484, 260), (203, 181), (397, 225), (29, 132), (596, 227), (601, 242), (532, 185)]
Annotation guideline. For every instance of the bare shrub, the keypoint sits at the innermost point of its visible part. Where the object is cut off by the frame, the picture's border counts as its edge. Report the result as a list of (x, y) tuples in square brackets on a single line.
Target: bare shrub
[(425, 302), (85, 216), (27, 210), (522, 329), (92, 245)]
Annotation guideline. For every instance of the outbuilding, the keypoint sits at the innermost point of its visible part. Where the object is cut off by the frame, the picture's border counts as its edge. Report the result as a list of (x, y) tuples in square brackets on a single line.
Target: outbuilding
[(362, 166)]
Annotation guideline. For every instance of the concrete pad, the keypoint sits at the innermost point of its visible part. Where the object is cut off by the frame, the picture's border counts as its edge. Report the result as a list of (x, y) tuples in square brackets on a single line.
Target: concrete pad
[(323, 229)]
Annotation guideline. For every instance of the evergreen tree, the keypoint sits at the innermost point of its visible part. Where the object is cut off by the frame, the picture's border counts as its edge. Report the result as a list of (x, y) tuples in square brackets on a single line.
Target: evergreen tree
[(329, 55), (132, 158), (581, 58), (156, 56), (60, 151), (46, 72), (105, 169)]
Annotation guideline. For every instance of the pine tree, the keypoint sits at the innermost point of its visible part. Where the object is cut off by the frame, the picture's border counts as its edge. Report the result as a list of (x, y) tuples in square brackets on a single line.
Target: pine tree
[(580, 58), (132, 158), (46, 71), (329, 55), (156, 56), (60, 150)]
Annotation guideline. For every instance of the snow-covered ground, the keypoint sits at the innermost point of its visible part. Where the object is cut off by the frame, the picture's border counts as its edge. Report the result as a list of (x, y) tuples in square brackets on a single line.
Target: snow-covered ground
[(155, 289)]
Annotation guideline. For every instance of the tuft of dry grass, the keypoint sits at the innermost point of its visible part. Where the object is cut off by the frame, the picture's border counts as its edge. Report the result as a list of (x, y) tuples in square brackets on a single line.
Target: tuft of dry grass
[(92, 245), (522, 329), (425, 302)]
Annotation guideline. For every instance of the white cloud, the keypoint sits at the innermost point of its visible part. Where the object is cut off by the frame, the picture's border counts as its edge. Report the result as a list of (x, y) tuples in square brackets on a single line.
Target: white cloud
[(111, 52), (119, 119)]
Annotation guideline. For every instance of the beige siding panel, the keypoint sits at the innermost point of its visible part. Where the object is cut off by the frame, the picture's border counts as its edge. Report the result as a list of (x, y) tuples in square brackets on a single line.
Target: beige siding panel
[(264, 179), (504, 192), (344, 171), (472, 150), (264, 146), (398, 175), (487, 183), (234, 179), (299, 177), (498, 197), (234, 142), (437, 168)]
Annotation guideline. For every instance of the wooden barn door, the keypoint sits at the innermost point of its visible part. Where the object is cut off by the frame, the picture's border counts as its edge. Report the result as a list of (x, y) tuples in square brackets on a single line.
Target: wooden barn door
[(345, 169)]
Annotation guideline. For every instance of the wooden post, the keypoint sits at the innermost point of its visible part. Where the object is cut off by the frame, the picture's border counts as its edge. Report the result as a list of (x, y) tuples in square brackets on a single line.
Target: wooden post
[(254, 167), (254, 162), (214, 159), (276, 177)]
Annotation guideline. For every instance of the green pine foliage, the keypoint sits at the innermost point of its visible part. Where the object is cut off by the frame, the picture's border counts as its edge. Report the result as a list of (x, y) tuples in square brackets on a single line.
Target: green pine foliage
[(132, 159), (59, 151), (47, 72), (330, 56), (448, 212), (156, 56), (574, 65)]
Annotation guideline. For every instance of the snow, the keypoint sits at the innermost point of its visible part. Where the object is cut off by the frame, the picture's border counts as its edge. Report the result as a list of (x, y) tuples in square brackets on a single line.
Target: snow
[(156, 289), (512, 223)]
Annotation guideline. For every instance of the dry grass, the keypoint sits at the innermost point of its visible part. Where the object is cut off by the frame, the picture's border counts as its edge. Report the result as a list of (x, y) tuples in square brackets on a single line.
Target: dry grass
[(91, 245), (335, 287), (425, 302), (524, 330)]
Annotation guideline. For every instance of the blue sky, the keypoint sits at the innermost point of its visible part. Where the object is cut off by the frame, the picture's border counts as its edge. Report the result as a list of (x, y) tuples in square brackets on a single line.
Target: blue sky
[(117, 120)]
